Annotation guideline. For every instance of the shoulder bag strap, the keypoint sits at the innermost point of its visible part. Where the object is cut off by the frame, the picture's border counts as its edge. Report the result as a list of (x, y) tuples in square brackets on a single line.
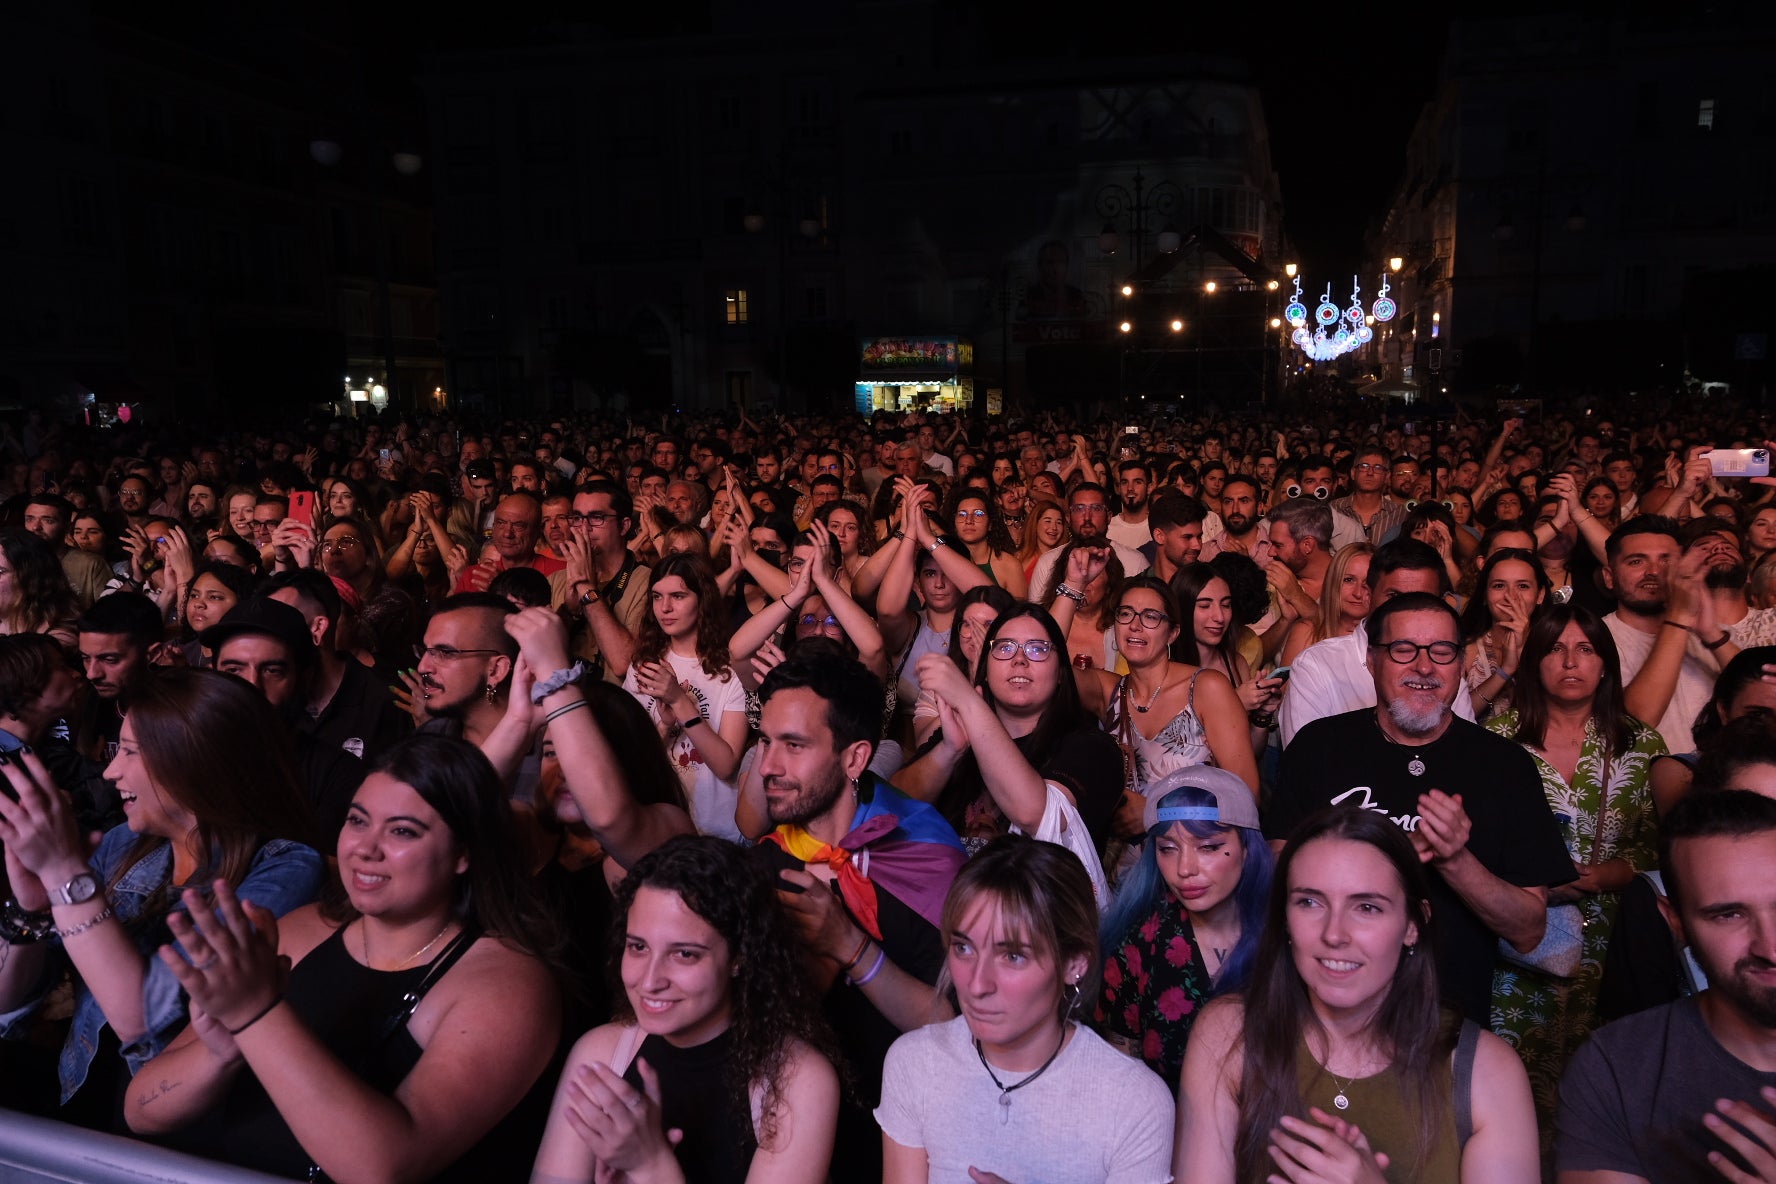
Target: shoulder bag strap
[(410, 1001), (1465, 1044)]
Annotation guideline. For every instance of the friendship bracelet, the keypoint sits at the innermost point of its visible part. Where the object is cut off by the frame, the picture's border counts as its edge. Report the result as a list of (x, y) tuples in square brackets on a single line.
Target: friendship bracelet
[(851, 962), (265, 1011), (564, 709), (881, 958)]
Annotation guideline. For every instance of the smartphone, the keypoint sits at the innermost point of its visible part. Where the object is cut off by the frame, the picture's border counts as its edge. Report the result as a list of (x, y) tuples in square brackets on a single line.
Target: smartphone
[(1739, 462), (1131, 431), (387, 453), (1281, 672), (302, 507)]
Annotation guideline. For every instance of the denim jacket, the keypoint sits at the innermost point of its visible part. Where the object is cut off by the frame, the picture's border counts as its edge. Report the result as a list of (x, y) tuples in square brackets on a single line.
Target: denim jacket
[(284, 876)]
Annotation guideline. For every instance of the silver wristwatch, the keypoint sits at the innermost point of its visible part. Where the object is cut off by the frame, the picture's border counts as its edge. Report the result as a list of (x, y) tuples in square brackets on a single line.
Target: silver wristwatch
[(79, 890)]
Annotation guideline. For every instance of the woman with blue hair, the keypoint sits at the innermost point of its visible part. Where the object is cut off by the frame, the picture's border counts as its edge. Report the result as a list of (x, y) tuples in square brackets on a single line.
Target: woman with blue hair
[(1184, 926)]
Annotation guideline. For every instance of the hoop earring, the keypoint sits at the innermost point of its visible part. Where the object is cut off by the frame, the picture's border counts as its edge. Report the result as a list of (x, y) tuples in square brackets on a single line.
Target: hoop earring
[(1073, 993)]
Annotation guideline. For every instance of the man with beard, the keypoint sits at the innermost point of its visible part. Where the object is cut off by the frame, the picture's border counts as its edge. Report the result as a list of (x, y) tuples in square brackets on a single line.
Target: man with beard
[(1725, 575), (1129, 528), (1332, 677), (1376, 515), (1471, 802), (1176, 522), (1672, 647), (465, 666), (1088, 516), (861, 869), (48, 516), (346, 705), (267, 643), (1244, 531), (1661, 1094), (121, 639)]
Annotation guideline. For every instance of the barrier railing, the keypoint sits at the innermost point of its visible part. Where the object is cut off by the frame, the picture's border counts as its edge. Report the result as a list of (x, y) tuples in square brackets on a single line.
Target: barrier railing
[(42, 1151)]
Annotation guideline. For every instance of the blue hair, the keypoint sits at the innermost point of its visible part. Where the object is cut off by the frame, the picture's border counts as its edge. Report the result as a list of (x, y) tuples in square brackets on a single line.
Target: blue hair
[(1143, 888)]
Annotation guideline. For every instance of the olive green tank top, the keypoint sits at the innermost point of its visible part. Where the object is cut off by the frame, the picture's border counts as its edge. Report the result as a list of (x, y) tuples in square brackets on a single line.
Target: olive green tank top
[(1379, 1109)]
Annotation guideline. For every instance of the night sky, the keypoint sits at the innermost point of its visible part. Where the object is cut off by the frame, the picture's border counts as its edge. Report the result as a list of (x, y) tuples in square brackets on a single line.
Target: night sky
[(1315, 68)]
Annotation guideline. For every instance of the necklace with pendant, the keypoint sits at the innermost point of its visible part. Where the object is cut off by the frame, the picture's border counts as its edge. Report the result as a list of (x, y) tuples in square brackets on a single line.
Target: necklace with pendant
[(1154, 697), (1415, 766), (1339, 1100), (1005, 1091)]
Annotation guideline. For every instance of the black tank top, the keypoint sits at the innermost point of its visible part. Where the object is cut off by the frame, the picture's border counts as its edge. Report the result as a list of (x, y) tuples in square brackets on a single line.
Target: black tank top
[(346, 1005), (697, 1097)]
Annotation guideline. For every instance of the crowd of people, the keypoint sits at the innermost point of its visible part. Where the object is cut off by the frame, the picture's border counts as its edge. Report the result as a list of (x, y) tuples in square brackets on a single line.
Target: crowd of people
[(1314, 797)]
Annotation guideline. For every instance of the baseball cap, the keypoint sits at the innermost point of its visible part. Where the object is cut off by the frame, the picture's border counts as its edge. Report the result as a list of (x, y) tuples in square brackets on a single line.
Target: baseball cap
[(1234, 803), (262, 615)]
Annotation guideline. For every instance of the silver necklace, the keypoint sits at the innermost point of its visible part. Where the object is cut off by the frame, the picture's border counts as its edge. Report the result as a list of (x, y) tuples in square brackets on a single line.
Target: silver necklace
[(1154, 697), (1339, 1100)]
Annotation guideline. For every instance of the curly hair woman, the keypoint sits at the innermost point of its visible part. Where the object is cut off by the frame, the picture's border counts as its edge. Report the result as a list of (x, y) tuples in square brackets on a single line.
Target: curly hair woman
[(681, 674), (717, 1036)]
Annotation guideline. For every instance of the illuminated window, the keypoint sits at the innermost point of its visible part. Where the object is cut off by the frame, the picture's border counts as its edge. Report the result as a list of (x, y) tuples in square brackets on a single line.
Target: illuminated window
[(1705, 115), (737, 306)]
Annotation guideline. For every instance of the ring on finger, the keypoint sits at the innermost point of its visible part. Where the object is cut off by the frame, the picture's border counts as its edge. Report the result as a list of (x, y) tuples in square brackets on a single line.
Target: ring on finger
[(205, 964)]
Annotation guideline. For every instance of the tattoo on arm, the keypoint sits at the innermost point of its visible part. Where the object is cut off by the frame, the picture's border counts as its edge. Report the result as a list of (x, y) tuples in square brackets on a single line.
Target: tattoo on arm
[(157, 1092)]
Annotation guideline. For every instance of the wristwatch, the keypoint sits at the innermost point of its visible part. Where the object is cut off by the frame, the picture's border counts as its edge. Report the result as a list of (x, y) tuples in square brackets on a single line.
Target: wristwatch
[(79, 890)]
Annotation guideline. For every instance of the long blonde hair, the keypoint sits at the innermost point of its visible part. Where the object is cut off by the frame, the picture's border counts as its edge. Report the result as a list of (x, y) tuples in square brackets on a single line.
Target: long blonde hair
[(1332, 589)]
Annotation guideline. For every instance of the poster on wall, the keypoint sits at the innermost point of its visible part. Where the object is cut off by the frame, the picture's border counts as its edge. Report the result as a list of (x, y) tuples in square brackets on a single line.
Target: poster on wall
[(1052, 296)]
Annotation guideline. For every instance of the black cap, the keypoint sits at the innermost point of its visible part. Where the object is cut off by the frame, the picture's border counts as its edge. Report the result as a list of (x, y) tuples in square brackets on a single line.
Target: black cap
[(262, 615)]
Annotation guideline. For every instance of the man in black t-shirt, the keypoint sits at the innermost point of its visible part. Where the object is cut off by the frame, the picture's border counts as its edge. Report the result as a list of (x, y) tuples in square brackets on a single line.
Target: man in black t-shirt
[(1471, 801)]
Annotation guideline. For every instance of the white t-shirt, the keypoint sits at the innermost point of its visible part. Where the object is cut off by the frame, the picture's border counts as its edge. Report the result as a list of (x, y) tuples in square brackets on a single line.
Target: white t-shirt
[(1094, 1117), (711, 798), (1695, 681), (937, 462), (1133, 535)]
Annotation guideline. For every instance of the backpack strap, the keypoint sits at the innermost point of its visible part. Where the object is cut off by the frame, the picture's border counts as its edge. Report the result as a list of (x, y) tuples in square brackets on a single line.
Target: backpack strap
[(1465, 1044)]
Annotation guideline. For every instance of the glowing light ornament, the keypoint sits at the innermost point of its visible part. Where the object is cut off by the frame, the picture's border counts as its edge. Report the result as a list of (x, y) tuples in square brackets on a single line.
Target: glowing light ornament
[(1383, 309), (1296, 313), (1333, 337)]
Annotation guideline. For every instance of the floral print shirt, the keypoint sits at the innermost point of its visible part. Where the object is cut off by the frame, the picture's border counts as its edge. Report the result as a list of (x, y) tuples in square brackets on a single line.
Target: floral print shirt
[(1155, 982)]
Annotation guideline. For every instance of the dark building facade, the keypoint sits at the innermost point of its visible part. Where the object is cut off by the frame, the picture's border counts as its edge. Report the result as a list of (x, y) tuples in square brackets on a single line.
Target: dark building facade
[(1584, 206), (743, 215), (210, 216)]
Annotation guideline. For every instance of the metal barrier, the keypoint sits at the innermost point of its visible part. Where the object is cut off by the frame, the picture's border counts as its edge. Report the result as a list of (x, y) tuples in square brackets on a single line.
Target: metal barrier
[(42, 1151)]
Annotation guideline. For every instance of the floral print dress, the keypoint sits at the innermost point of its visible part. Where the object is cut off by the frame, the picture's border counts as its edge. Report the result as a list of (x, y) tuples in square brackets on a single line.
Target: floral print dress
[(1606, 813), (1155, 982)]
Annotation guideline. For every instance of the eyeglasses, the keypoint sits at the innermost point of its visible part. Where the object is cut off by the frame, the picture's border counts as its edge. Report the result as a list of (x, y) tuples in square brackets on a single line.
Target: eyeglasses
[(262, 527), (965, 515), (1150, 617), (810, 621), (446, 653), (339, 545), (1405, 652), (597, 518), (1366, 467), (1036, 649), (1089, 508)]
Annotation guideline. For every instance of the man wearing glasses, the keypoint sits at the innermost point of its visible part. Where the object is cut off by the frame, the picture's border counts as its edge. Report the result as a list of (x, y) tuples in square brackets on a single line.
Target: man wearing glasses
[(1470, 801), (603, 589), (1368, 503), (1088, 516)]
